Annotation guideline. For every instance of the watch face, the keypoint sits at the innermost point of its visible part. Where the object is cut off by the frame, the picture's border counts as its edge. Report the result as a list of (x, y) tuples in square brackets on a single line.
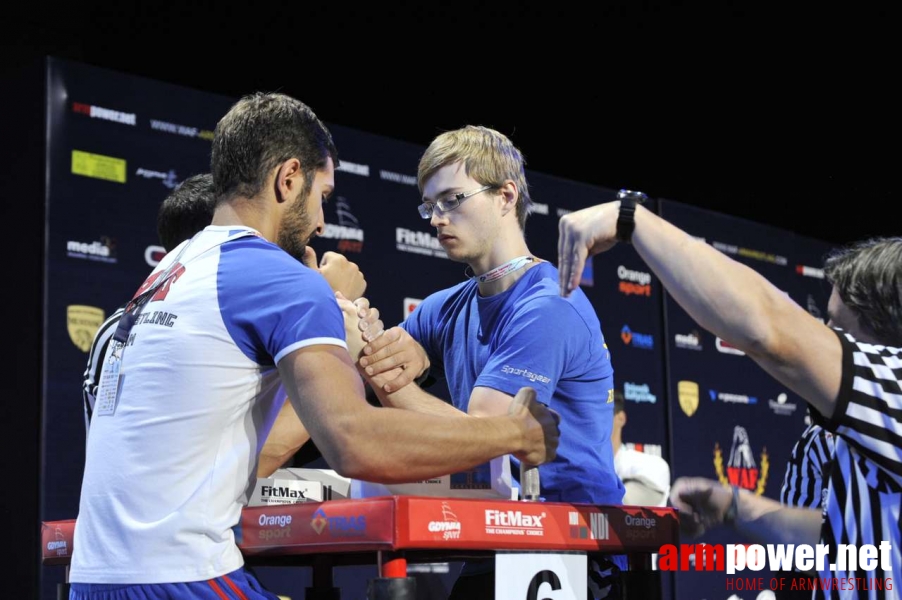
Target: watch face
[(637, 197)]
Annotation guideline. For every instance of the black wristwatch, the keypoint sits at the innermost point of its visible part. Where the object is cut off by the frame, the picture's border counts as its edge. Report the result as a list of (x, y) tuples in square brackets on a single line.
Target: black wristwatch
[(625, 219)]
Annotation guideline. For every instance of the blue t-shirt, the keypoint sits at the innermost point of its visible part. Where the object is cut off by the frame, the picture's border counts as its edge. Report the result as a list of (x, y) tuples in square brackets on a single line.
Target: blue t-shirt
[(530, 336)]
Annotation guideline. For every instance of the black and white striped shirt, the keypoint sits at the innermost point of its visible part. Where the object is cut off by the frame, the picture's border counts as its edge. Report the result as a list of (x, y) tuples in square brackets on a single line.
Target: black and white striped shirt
[(808, 469), (95, 362), (865, 497)]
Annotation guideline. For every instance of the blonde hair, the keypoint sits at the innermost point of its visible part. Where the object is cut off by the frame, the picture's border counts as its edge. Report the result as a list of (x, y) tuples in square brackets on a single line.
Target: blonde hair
[(488, 156)]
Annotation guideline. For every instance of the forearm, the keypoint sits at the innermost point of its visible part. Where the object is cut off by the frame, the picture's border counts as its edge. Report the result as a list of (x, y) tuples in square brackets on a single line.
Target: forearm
[(767, 521), (271, 461), (412, 397), (736, 303), (720, 294), (425, 445), (285, 438), (390, 445)]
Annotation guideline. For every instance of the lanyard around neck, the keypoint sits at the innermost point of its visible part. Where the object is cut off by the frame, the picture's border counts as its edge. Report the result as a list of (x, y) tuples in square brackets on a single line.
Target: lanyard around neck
[(514, 264)]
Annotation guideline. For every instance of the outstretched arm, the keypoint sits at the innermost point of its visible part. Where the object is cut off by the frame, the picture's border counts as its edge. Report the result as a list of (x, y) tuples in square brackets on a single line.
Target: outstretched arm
[(704, 503), (722, 295)]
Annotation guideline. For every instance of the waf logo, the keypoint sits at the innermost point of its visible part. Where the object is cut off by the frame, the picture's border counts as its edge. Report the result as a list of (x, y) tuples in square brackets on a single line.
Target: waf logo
[(449, 526), (742, 470), (340, 526)]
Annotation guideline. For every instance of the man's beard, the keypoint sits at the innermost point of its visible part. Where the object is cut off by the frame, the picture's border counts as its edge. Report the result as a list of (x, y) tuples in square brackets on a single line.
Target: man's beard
[(296, 231)]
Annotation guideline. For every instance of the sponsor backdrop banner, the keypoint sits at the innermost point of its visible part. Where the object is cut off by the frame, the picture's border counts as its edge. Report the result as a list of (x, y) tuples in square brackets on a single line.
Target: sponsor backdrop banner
[(118, 144), (736, 423)]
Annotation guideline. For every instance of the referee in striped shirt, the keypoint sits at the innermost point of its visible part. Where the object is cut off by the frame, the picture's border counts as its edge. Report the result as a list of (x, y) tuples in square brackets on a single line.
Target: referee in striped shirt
[(849, 371), (805, 485), (808, 469)]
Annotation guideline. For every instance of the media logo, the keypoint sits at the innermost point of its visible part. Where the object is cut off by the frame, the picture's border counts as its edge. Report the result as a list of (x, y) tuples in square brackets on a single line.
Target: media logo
[(102, 250), (418, 242), (169, 178), (636, 283), (448, 527), (688, 341), (341, 526), (105, 114), (348, 231), (397, 177), (98, 166), (731, 398), (638, 392), (780, 406), (82, 322), (727, 348), (354, 168), (596, 529), (645, 341), (687, 391), (741, 469)]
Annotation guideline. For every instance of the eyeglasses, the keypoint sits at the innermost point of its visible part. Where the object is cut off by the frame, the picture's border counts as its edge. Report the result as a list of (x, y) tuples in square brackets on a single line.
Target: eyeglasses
[(449, 202)]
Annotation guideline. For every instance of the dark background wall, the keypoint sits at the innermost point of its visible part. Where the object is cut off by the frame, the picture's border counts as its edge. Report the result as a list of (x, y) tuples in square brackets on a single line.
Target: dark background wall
[(781, 117)]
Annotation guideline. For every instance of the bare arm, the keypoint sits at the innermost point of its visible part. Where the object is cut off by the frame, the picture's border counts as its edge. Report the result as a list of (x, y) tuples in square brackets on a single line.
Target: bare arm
[(488, 402), (389, 446), (288, 433), (393, 360), (483, 402), (287, 436), (412, 397), (703, 504), (722, 295)]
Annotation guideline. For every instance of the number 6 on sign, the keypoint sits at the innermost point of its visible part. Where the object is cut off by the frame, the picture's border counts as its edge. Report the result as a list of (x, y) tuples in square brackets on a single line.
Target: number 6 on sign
[(540, 576)]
